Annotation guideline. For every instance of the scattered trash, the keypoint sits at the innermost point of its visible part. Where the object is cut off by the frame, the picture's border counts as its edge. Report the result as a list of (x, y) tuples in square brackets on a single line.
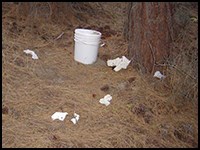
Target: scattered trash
[(59, 115), (76, 118), (106, 100), (194, 19), (114, 62), (119, 63), (103, 44), (28, 51), (159, 75)]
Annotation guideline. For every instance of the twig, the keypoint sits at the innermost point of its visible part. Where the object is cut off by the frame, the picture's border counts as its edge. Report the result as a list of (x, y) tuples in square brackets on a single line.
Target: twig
[(50, 42), (59, 36), (153, 54)]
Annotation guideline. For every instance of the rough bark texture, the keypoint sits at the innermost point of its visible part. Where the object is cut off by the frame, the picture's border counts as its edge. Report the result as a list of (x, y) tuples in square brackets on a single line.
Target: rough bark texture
[(150, 29)]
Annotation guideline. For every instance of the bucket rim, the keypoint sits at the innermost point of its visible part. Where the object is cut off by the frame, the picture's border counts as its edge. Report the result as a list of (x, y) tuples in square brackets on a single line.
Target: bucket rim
[(77, 31), (87, 43), (88, 38)]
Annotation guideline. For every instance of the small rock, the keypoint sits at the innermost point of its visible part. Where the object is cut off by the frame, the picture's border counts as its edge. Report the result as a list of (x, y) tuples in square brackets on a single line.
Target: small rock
[(105, 88), (5, 110), (94, 95), (131, 79), (54, 137), (105, 57)]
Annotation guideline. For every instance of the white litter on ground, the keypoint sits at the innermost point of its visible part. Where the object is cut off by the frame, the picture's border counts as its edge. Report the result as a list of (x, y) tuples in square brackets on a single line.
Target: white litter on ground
[(106, 100), (76, 118), (28, 51), (103, 44), (119, 63), (157, 74), (59, 115), (114, 62)]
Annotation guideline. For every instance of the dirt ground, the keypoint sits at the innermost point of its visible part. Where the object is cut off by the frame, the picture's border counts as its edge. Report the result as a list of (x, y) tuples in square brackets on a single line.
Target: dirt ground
[(141, 113)]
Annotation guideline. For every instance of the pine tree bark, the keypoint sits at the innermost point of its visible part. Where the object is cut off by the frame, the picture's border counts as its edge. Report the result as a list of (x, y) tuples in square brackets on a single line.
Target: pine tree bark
[(150, 34)]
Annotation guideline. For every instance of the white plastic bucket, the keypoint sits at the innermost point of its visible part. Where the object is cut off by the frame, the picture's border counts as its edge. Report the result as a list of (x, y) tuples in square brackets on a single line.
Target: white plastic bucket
[(86, 45)]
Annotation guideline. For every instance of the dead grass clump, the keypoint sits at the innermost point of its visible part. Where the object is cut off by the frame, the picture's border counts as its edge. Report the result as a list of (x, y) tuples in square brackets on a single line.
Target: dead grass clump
[(181, 68), (185, 133), (183, 71)]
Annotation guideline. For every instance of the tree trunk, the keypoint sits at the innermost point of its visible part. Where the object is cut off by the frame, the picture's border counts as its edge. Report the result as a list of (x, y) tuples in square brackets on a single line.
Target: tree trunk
[(149, 34)]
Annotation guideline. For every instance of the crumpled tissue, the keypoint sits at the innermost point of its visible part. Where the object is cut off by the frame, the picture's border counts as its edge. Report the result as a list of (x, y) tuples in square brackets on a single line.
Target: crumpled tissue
[(106, 100), (28, 51), (59, 115), (119, 63), (159, 75), (76, 118)]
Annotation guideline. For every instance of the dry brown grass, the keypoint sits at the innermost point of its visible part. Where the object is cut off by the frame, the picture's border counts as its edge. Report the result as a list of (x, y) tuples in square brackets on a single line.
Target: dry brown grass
[(140, 114), (182, 66)]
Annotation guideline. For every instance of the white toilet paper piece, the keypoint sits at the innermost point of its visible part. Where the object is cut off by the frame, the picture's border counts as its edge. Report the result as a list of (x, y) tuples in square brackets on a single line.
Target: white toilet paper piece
[(106, 100), (76, 118), (103, 44), (114, 62), (59, 115), (28, 51), (119, 63), (159, 75)]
